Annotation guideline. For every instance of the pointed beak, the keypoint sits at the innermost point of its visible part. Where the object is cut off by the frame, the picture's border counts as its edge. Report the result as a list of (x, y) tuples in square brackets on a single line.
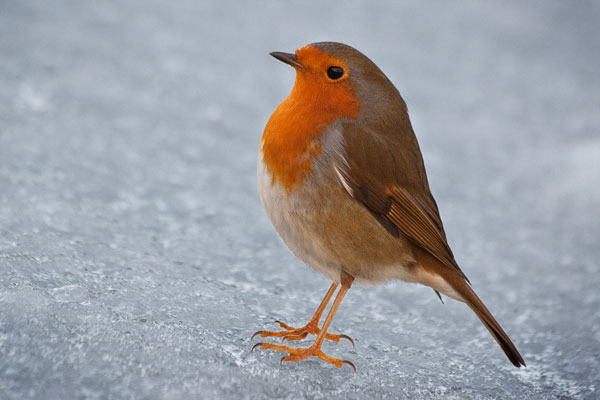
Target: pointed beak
[(288, 58)]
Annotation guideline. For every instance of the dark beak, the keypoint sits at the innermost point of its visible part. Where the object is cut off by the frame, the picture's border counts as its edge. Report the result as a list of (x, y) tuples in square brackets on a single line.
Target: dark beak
[(287, 58)]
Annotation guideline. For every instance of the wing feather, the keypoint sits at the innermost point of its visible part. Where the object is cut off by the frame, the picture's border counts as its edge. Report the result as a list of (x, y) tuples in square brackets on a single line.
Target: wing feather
[(398, 197)]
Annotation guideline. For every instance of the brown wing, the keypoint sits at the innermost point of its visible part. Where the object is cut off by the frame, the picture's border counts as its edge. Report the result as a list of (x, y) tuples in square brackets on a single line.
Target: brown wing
[(397, 194)]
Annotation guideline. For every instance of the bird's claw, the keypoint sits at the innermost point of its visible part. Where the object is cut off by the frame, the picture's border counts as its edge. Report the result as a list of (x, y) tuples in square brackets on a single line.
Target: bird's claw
[(349, 363), (348, 338), (256, 345)]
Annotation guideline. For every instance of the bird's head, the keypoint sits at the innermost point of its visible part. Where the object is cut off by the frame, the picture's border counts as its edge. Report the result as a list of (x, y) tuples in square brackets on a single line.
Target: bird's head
[(338, 79)]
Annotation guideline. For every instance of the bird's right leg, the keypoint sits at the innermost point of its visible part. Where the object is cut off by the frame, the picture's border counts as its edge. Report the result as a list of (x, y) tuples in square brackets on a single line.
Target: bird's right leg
[(311, 328)]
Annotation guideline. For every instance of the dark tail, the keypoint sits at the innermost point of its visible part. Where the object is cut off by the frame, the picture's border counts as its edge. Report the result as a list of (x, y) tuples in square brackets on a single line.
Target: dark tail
[(490, 323)]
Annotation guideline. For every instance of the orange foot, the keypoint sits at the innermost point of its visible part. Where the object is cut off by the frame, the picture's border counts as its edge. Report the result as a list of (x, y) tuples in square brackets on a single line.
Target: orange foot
[(299, 354), (291, 333)]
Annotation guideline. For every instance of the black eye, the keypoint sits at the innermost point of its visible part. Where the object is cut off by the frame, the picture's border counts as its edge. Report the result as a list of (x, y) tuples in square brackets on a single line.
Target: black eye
[(335, 72)]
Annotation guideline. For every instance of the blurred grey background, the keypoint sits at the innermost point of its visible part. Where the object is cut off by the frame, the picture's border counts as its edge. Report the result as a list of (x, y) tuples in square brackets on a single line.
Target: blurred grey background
[(135, 257)]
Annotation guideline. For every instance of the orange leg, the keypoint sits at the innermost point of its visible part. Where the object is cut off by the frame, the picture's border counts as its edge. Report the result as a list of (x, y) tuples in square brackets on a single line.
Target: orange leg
[(312, 327), (299, 354)]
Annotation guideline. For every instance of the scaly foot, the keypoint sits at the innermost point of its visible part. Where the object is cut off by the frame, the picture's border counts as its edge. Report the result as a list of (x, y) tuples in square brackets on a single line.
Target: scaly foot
[(299, 354), (291, 333)]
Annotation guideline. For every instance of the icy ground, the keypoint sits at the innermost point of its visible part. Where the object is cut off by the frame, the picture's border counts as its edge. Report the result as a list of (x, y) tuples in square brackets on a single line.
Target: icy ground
[(136, 260)]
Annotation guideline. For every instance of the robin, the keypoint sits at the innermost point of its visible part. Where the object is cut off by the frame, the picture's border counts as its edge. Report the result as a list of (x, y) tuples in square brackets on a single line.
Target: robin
[(342, 179)]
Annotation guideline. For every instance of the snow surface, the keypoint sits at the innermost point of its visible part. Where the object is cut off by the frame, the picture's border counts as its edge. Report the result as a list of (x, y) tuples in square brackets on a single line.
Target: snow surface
[(136, 260)]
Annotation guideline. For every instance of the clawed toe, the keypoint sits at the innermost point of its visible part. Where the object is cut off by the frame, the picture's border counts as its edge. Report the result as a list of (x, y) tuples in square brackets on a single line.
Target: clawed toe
[(315, 351), (290, 338), (292, 334), (350, 364), (348, 338), (272, 346), (336, 338), (255, 346), (284, 325)]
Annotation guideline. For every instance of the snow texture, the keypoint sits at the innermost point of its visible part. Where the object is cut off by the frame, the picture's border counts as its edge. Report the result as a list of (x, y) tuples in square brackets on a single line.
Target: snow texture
[(136, 260)]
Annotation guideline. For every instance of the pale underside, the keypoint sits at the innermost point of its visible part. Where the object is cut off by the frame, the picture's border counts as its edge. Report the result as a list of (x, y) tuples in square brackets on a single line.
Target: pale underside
[(329, 230)]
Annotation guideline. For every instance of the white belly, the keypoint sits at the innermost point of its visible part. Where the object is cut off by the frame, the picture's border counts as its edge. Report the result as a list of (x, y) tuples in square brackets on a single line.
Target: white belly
[(290, 214), (321, 231)]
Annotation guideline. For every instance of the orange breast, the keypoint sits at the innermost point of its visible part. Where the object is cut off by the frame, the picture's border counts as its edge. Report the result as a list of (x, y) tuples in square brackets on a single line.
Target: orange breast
[(291, 138)]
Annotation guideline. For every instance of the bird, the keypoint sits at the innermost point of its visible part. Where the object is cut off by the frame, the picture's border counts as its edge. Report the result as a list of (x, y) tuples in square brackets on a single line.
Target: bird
[(342, 179)]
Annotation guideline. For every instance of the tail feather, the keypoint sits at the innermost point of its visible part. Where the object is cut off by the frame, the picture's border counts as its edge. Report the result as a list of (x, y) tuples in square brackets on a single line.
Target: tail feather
[(488, 320), (447, 281)]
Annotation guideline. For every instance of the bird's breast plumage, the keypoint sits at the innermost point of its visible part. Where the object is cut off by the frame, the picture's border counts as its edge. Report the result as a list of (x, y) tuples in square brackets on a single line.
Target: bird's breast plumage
[(324, 226), (292, 136)]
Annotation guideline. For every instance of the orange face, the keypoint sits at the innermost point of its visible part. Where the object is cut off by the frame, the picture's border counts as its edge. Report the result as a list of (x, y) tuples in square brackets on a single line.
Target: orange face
[(320, 96)]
